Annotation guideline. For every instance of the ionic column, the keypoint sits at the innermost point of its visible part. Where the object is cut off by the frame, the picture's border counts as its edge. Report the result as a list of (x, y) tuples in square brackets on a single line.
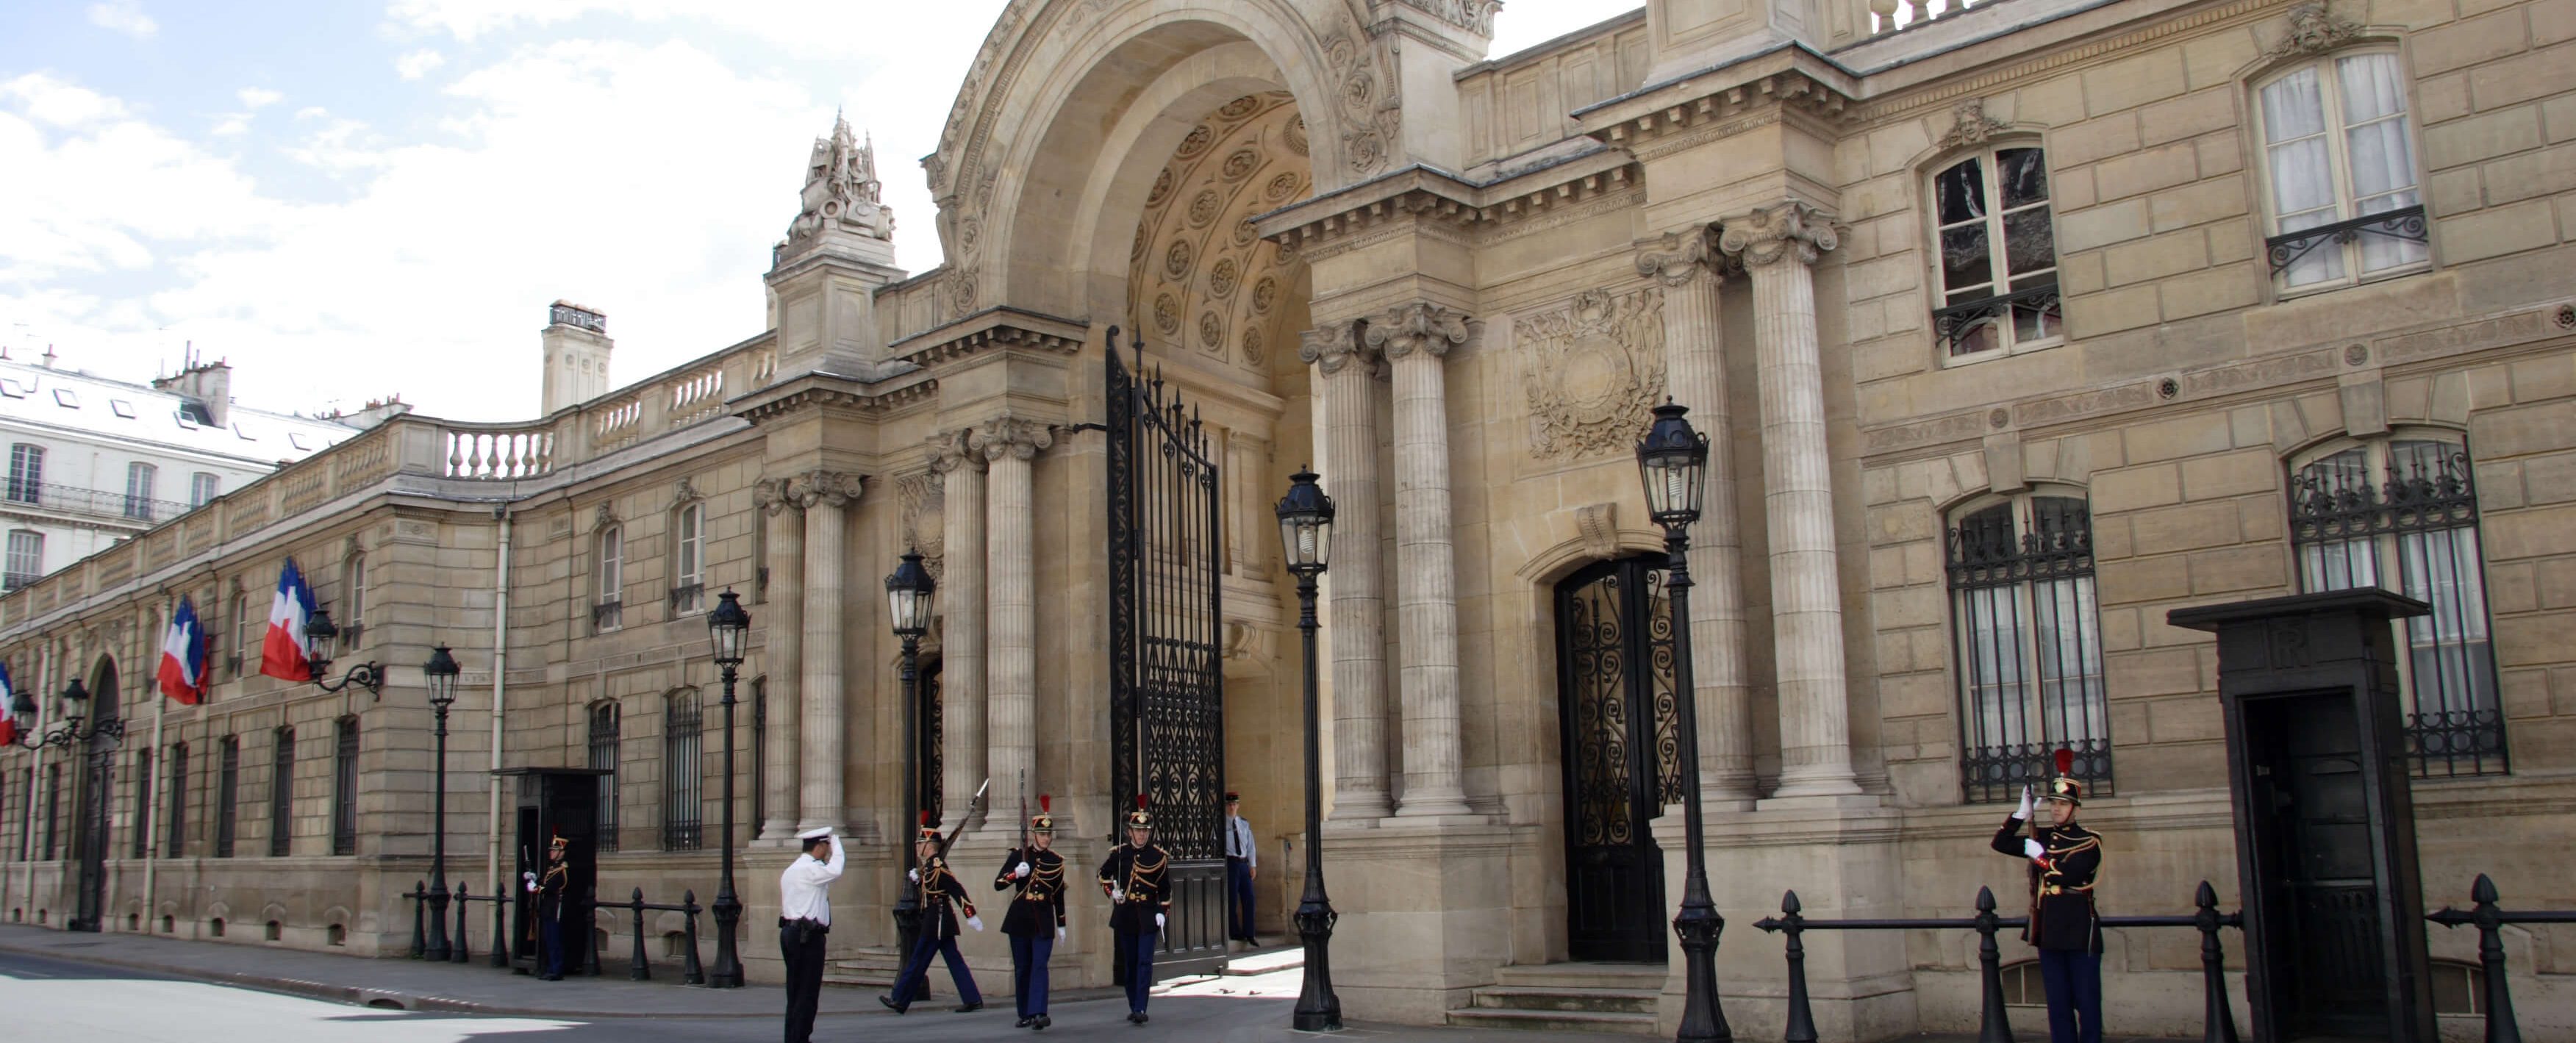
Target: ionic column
[(961, 641), (823, 495), (1777, 245), (1689, 267), (1415, 339), (786, 661), (1011, 657), (1356, 612)]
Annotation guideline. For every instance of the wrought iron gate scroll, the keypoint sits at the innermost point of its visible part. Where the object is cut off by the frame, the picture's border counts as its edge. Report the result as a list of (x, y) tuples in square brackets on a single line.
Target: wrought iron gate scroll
[(1166, 681)]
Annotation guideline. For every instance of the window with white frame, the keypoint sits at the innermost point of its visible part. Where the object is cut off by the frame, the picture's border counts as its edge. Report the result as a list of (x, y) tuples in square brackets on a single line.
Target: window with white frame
[(609, 570), (2339, 172), (353, 624), (2027, 644), (1997, 248), (26, 473), (139, 479), (2402, 513), (689, 559), (26, 558), (202, 487)]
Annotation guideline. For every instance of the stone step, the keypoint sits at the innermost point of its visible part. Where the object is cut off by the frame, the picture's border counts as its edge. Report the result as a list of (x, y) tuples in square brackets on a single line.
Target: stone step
[(1554, 1021), (1648, 976), (1557, 998)]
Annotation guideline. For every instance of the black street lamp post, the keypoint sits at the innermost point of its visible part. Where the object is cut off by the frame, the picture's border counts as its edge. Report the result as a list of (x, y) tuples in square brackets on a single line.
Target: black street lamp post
[(1306, 529), (1673, 462), (729, 628), (440, 674), (320, 634), (909, 597)]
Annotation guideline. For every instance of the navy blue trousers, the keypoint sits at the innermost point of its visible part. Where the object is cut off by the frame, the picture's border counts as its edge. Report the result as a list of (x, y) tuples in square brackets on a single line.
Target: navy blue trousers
[(1138, 947), (2073, 978), (907, 984), (1029, 956), (550, 951), (1238, 899)]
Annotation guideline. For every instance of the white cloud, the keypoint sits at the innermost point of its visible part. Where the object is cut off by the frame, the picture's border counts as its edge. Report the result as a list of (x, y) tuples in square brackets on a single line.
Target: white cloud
[(258, 97), (419, 63), (123, 16)]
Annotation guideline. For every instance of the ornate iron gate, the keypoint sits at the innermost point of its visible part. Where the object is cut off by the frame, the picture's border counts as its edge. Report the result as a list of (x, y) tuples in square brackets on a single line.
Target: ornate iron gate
[(1617, 697), (1166, 685)]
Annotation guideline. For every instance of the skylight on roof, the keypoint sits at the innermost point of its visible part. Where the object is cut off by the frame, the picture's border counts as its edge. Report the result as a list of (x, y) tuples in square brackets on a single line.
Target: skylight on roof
[(185, 420), (121, 407), (245, 435), (14, 389), (296, 440), (63, 397)]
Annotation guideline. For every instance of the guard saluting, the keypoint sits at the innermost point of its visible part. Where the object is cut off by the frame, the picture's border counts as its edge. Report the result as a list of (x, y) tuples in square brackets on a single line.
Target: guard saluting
[(940, 891), (1035, 921), (2065, 860), (1133, 878)]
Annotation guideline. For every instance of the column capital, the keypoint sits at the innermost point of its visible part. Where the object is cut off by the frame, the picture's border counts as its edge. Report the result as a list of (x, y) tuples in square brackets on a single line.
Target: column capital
[(1010, 436), (774, 495), (1681, 256), (824, 488), (1333, 345), (1421, 326), (1790, 229), (950, 452)]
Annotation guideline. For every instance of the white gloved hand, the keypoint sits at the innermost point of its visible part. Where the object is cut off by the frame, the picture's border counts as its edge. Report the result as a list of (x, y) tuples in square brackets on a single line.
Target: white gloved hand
[(1059, 934), (1019, 871), (2024, 812), (2034, 849), (1117, 894), (913, 875), (976, 922), (531, 878), (1158, 921)]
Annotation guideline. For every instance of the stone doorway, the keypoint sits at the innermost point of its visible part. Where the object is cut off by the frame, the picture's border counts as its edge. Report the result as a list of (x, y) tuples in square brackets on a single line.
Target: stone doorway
[(1617, 700)]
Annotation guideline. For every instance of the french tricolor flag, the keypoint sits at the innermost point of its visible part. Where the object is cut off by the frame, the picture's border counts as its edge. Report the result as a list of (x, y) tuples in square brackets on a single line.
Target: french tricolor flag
[(8, 717), (183, 656), (282, 654)]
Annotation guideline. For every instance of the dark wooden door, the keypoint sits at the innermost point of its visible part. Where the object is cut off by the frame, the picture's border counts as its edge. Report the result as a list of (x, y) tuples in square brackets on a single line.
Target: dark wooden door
[(1616, 702), (2325, 899)]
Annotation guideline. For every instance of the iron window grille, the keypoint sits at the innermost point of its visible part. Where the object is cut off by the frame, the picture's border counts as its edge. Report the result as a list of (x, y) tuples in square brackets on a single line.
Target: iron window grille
[(281, 795), (607, 616), (687, 598), (604, 744), (344, 789), (759, 749), (2028, 646), (227, 795), (683, 777), (53, 808), (141, 829), (178, 812), (2413, 501), (1997, 255)]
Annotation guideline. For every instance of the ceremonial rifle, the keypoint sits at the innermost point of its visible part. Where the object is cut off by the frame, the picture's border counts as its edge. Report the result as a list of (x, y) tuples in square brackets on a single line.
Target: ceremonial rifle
[(942, 854)]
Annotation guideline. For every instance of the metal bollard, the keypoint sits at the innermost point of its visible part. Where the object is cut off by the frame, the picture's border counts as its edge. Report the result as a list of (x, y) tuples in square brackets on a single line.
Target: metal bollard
[(1994, 1027), (2501, 1026), (1802, 1021), (690, 972), (500, 931), (642, 970), (2219, 1022), (419, 907), (456, 953), (591, 936)]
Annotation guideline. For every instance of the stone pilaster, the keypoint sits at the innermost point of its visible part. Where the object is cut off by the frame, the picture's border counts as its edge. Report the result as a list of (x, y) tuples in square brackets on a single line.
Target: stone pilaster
[(824, 495), (1356, 613), (1777, 245), (1690, 268), (786, 662), (1011, 658), (961, 638), (1415, 339)]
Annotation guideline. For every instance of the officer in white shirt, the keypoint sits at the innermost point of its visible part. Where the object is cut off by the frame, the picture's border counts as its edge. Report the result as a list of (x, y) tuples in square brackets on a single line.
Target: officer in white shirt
[(804, 919), (1242, 861)]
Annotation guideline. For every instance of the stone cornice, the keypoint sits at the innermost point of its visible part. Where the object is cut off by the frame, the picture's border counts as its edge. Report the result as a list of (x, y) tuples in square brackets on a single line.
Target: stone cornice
[(1789, 76), (824, 390), (1444, 200), (998, 326)]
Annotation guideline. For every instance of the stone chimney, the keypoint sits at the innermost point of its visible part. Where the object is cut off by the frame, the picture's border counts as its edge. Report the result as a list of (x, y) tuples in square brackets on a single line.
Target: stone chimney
[(206, 385), (576, 348)]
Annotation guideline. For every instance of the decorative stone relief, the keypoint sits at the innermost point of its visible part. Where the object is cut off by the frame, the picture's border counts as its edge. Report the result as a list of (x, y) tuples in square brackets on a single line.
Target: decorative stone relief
[(841, 192), (603, 517), (2314, 29), (1422, 327), (1969, 125), (824, 489), (1475, 16), (1591, 371), (1196, 251), (1372, 109), (1681, 256), (685, 492), (1598, 526), (924, 526), (1333, 345), (1788, 229)]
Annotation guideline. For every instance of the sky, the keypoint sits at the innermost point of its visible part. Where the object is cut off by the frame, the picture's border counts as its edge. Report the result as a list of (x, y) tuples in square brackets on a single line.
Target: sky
[(347, 200)]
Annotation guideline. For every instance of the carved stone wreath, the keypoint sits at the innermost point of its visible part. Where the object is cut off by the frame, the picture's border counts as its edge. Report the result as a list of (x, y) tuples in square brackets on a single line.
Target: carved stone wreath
[(1591, 370)]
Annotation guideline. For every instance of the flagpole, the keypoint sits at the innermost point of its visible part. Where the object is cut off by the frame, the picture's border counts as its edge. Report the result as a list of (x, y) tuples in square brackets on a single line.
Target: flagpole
[(152, 800)]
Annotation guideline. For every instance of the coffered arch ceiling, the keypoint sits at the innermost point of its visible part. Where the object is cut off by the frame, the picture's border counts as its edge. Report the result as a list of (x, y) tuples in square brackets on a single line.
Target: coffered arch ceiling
[(1200, 282)]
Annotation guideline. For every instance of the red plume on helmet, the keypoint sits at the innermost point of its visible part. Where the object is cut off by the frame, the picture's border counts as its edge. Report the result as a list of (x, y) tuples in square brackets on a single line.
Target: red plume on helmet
[(1044, 802), (2066, 786), (2065, 762), (1140, 818)]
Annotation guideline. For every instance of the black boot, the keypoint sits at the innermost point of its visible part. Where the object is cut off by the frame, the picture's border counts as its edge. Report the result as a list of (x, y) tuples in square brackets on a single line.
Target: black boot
[(890, 1004), (1042, 1022), (966, 1008), (1022, 1023)]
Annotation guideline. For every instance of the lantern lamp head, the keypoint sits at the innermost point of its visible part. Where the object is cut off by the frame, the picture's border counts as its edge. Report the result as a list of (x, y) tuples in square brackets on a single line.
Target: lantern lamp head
[(1306, 524), (728, 628), (910, 594), (1673, 462), (440, 674)]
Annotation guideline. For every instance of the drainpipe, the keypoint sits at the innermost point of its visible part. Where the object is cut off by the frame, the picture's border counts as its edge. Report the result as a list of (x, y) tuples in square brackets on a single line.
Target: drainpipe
[(500, 667)]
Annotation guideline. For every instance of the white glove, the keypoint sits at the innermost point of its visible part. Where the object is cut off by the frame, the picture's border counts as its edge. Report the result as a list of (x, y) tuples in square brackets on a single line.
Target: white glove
[(1059, 934), (2024, 813), (913, 875), (2034, 849), (531, 878), (976, 922), (1019, 871), (1158, 921), (1117, 894)]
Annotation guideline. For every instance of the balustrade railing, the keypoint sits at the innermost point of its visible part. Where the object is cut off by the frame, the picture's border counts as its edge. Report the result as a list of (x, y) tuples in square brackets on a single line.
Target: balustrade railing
[(488, 454)]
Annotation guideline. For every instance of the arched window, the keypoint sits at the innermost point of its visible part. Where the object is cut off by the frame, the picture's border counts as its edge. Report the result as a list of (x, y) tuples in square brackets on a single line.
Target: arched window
[(603, 755), (2402, 513), (683, 777), (281, 794), (608, 570), (688, 559), (2339, 172), (2028, 644), (1997, 255)]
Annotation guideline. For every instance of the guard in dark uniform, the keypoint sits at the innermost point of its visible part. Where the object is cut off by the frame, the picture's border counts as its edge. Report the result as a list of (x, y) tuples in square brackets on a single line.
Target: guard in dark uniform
[(941, 894), (1133, 878), (2065, 860), (550, 888), (1035, 921)]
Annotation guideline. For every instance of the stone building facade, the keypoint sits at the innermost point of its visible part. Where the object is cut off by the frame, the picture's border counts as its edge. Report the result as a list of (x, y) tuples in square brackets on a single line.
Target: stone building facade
[(2014, 325)]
